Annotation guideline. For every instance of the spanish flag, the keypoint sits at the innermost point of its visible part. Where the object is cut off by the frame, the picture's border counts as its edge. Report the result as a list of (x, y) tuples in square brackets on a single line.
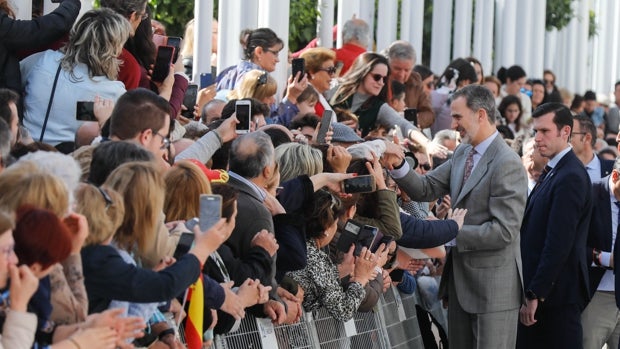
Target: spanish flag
[(194, 322)]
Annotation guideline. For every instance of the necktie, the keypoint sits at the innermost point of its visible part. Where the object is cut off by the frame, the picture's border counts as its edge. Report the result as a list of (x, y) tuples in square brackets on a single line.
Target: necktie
[(543, 174), (618, 221), (469, 164)]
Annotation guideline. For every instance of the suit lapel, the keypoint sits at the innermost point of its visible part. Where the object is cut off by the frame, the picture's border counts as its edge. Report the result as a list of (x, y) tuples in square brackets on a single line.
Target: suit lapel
[(479, 171), (548, 179), (458, 167)]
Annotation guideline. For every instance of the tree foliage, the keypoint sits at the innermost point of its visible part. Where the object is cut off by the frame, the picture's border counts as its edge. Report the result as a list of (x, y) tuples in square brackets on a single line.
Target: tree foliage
[(559, 14)]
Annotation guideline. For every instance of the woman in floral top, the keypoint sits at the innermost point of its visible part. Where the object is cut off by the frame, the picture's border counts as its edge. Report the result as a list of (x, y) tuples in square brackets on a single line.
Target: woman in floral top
[(320, 279)]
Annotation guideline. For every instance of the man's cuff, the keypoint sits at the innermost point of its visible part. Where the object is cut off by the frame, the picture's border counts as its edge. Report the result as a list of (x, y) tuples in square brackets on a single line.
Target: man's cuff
[(401, 172)]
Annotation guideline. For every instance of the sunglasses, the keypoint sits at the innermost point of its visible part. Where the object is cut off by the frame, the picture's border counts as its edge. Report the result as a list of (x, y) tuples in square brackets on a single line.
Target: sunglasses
[(330, 70), (425, 167), (106, 197), (378, 77)]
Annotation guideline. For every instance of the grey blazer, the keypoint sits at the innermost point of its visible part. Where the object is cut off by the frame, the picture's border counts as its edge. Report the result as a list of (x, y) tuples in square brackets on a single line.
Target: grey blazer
[(486, 264)]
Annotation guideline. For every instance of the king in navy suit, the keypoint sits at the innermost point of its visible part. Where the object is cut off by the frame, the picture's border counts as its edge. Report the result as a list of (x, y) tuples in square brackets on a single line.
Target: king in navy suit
[(553, 239)]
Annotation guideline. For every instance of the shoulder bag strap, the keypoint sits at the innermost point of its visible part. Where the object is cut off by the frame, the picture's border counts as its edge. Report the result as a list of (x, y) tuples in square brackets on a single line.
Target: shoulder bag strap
[(49, 105)]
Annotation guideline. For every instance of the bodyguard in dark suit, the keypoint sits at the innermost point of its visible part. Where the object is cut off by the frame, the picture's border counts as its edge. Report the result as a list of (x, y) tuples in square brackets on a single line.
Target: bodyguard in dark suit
[(583, 140), (553, 239), (601, 317)]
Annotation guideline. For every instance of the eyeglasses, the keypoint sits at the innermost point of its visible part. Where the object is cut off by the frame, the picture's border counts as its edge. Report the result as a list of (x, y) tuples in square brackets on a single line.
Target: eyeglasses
[(262, 79), (8, 251), (329, 70), (165, 141), (425, 167), (106, 197), (275, 53), (378, 77)]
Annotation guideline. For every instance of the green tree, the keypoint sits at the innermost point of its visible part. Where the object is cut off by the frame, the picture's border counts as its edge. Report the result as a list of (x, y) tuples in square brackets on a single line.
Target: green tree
[(559, 14)]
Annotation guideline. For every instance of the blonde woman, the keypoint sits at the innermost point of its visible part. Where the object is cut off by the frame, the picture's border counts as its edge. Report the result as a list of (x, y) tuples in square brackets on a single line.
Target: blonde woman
[(86, 67), (256, 84), (185, 182)]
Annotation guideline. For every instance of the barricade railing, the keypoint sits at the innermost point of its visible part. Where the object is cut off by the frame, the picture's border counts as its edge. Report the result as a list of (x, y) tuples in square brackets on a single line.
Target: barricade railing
[(392, 324)]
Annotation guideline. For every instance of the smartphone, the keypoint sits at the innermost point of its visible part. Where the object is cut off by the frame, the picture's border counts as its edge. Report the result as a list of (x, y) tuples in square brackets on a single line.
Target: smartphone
[(326, 122), (244, 115), (349, 235), (84, 111), (206, 79), (366, 238), (380, 239), (162, 63), (189, 101), (411, 115), (298, 66), (175, 42), (186, 241), (210, 210), (160, 40), (359, 184)]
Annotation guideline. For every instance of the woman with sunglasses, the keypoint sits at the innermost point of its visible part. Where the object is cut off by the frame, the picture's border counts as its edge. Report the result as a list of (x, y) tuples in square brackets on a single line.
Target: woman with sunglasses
[(321, 69), (363, 90)]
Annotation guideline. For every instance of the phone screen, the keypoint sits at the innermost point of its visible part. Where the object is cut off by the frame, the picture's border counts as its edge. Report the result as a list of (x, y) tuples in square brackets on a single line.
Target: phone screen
[(175, 42), (84, 111), (162, 63), (360, 184), (189, 101), (298, 66), (243, 112), (326, 122), (411, 115), (348, 236), (210, 210)]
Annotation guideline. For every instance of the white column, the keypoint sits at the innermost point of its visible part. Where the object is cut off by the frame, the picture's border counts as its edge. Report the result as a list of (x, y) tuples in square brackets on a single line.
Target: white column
[(346, 10), (229, 24), (617, 57), (479, 29), (48, 6), (508, 28), (367, 14), (538, 39), (23, 10), (203, 21), (499, 27), (462, 29), (551, 39), (386, 23), (524, 35), (613, 14), (486, 55), (405, 21), (417, 27), (274, 14), (581, 68), (440, 36), (570, 52), (325, 22), (598, 52)]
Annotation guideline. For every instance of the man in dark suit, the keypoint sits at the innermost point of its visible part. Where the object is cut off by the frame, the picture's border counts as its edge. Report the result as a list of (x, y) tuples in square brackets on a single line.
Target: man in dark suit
[(583, 140), (482, 275), (553, 239), (601, 318)]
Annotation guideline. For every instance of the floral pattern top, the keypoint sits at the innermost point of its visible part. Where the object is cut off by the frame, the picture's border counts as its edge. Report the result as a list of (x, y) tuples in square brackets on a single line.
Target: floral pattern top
[(321, 285)]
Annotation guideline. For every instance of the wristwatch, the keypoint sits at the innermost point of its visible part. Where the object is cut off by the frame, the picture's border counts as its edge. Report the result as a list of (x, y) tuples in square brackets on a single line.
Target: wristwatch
[(529, 294)]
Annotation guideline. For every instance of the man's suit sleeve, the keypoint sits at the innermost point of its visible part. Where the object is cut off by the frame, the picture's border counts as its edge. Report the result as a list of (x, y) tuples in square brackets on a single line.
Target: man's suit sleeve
[(429, 187), (506, 206), (568, 201)]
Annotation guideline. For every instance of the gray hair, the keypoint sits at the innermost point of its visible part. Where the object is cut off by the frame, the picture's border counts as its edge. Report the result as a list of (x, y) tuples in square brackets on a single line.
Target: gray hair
[(445, 135), (250, 154), (478, 97), (295, 159), (5, 142), (97, 40), (356, 29), (401, 49)]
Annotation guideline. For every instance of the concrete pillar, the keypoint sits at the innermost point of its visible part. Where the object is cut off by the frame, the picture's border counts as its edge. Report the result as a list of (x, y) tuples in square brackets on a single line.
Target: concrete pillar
[(486, 56), (598, 50), (367, 13), (613, 14), (234, 16), (274, 14), (551, 39), (462, 29), (441, 35), (538, 38), (203, 21), (386, 23), (417, 27), (405, 21), (508, 30), (524, 35), (346, 10), (499, 44), (581, 68), (325, 22)]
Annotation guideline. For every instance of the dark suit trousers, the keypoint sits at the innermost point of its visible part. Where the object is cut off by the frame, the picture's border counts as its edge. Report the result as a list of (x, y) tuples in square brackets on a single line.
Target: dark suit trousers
[(557, 327)]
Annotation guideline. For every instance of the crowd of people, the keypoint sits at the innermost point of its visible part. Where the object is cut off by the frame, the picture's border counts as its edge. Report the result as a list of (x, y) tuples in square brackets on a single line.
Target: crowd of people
[(495, 196)]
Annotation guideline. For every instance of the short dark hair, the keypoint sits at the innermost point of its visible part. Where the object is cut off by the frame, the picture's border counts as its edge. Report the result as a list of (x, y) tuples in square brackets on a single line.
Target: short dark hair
[(310, 120), (261, 37), (561, 115), (124, 7), (589, 96), (586, 125), (398, 89), (513, 73), (7, 96), (138, 110), (107, 156), (229, 196)]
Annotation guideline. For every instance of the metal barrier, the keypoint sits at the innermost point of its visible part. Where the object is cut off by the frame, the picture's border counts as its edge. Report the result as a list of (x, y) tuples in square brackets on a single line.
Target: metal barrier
[(393, 324)]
